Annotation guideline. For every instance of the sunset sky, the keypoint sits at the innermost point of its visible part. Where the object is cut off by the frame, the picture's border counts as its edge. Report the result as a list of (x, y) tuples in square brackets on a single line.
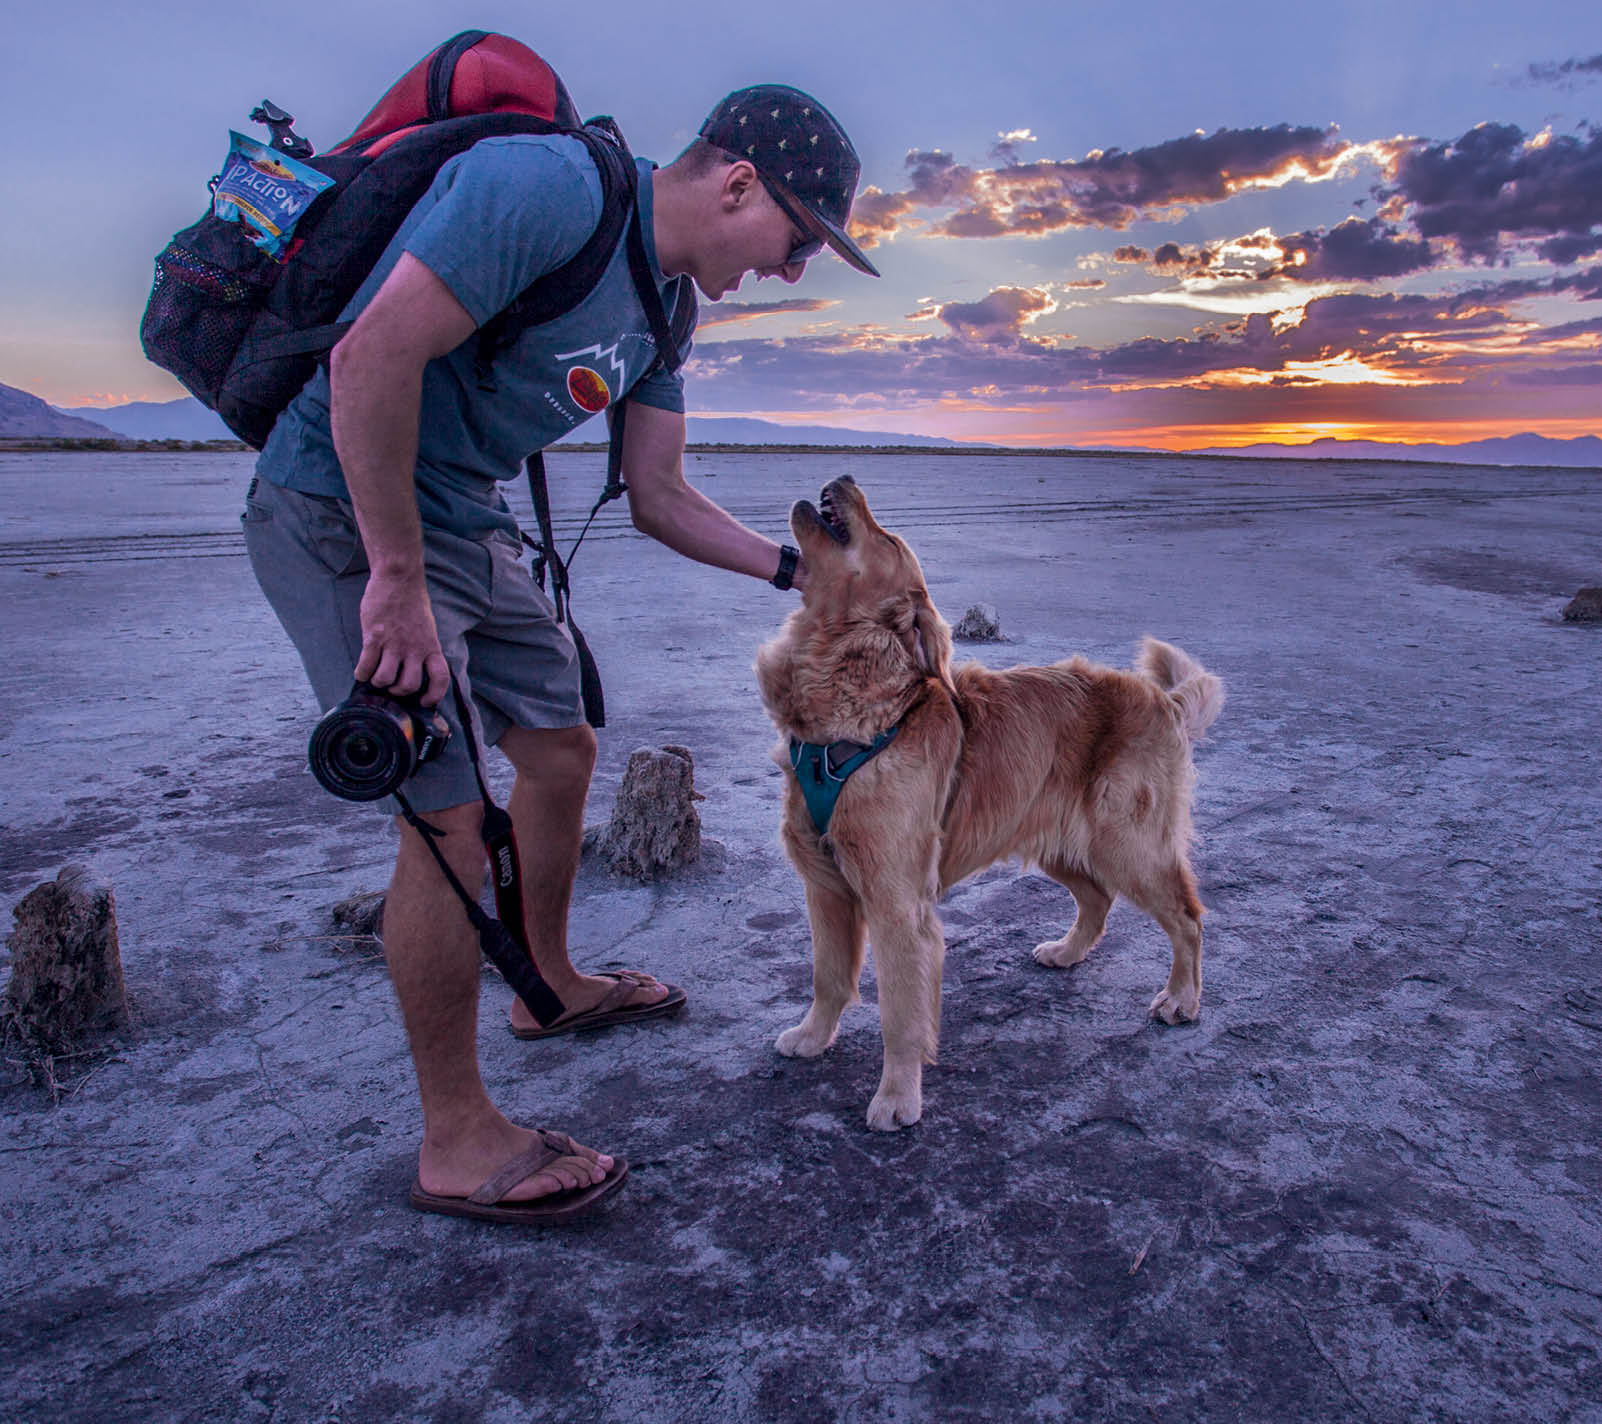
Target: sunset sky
[(1159, 225)]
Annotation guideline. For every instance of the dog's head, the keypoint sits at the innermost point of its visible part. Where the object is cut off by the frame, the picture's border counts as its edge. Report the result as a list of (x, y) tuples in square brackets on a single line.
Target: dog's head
[(866, 631)]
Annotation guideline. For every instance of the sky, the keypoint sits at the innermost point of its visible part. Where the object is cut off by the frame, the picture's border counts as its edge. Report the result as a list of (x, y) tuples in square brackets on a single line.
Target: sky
[(1160, 225)]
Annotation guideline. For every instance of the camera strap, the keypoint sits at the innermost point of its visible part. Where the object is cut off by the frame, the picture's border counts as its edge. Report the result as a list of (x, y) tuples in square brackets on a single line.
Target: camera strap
[(504, 941)]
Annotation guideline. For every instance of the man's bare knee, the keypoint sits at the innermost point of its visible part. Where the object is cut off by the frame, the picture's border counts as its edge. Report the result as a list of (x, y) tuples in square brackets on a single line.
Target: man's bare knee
[(460, 843), (551, 753), (452, 820)]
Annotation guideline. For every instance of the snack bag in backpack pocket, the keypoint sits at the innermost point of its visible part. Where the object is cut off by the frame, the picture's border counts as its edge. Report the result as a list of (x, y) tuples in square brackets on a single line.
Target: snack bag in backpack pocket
[(214, 277), (265, 192)]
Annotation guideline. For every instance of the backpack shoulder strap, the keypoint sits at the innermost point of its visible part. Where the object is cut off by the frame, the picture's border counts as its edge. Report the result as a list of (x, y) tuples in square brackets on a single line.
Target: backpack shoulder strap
[(682, 323), (558, 291)]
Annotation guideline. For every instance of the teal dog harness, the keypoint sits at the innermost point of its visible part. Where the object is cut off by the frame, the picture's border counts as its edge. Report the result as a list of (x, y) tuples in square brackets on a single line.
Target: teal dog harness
[(822, 768)]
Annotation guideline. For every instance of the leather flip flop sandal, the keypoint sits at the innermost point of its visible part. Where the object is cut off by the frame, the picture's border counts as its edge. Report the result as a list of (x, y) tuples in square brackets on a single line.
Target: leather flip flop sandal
[(611, 1009), (554, 1209)]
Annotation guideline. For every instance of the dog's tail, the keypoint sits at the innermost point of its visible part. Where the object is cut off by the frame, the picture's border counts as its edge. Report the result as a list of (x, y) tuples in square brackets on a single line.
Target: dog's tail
[(1198, 694)]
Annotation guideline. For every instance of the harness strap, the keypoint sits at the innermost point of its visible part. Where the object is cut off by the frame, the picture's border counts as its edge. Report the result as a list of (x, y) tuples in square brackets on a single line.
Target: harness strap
[(822, 769), (504, 941)]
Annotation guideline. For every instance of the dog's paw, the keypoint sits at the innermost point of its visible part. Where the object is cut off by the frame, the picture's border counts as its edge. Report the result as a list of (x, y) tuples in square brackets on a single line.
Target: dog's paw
[(1172, 1008), (1060, 953), (802, 1041), (889, 1111)]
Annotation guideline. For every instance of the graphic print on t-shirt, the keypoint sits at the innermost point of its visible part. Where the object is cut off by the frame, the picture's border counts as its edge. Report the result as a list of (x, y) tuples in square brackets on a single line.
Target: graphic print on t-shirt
[(586, 386), (588, 390)]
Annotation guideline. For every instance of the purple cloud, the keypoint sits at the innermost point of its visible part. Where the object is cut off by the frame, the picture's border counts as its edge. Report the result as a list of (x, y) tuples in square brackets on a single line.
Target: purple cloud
[(1565, 73), (998, 317), (1354, 250), (1493, 185), (1171, 257), (1109, 189), (988, 360), (723, 313)]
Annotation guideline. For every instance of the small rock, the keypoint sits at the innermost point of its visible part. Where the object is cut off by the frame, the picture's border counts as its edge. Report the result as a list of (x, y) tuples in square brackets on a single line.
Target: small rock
[(361, 914), (980, 624), (1584, 607), (66, 967), (655, 828)]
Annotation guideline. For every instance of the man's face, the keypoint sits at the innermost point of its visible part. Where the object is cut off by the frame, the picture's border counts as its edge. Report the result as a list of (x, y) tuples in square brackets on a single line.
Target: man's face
[(754, 235)]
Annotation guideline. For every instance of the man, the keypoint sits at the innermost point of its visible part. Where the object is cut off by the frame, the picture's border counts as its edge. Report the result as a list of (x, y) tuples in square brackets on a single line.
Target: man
[(379, 535)]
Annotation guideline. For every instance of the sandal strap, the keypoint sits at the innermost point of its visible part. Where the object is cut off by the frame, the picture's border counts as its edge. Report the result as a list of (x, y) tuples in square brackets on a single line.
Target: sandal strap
[(549, 1147), (625, 982)]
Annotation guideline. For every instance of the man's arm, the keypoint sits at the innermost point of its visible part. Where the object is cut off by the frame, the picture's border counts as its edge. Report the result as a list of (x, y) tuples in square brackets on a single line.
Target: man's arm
[(376, 379), (674, 513)]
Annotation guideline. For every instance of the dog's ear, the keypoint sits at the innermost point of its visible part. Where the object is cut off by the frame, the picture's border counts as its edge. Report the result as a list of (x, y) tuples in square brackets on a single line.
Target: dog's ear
[(927, 638)]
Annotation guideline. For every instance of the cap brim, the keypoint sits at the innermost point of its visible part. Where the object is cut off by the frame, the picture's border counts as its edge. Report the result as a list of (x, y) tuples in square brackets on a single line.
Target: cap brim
[(844, 246), (832, 233)]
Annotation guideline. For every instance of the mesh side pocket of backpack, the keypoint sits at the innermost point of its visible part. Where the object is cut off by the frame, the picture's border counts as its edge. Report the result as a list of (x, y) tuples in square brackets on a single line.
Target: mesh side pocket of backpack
[(211, 282)]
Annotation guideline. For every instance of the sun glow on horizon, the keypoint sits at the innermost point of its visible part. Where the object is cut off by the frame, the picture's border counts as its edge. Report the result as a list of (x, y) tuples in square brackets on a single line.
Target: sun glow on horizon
[(1347, 369), (1182, 438)]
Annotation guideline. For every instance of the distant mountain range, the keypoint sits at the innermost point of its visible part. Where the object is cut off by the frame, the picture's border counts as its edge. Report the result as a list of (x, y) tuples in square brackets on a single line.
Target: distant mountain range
[(184, 419), (187, 419), (741, 430), (26, 416), (1527, 449)]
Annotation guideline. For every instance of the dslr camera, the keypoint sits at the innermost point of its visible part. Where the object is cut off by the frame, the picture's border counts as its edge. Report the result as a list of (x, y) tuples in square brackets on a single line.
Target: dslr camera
[(372, 742)]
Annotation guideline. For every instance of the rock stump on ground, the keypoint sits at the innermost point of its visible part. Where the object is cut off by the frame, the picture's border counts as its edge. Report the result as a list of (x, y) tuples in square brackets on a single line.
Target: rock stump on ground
[(1584, 607), (655, 828), (980, 624), (66, 967)]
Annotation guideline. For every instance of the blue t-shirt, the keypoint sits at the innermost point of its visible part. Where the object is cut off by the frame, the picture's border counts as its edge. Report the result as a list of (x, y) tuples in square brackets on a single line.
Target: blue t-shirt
[(496, 218)]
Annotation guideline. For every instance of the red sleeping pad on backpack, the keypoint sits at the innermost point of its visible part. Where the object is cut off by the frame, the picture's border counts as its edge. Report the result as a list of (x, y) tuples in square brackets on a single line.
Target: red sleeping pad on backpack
[(474, 73)]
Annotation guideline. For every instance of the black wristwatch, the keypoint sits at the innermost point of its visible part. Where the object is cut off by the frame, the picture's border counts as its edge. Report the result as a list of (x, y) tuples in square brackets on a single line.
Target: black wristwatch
[(789, 557)]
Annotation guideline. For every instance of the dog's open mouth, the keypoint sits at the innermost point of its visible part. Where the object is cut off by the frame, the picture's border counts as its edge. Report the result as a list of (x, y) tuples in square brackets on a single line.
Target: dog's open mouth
[(831, 518)]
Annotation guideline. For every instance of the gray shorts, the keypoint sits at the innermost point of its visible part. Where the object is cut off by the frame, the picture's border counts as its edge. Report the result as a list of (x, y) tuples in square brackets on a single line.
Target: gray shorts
[(497, 628)]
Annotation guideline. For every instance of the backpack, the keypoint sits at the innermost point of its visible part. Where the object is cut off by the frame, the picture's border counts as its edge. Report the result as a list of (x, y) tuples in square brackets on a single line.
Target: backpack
[(244, 331)]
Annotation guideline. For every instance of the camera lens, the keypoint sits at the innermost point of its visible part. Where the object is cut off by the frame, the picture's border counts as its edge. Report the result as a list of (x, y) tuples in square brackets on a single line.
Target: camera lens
[(361, 752)]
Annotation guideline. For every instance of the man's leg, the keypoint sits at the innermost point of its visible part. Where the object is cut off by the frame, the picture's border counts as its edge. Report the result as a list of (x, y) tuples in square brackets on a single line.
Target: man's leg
[(433, 959), (547, 811)]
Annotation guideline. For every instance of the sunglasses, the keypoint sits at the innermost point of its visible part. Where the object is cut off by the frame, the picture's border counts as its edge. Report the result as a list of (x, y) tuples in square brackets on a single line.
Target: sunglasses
[(809, 246)]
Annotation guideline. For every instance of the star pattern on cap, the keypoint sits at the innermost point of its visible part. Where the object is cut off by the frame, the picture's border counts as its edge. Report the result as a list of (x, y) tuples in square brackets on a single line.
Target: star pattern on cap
[(794, 140)]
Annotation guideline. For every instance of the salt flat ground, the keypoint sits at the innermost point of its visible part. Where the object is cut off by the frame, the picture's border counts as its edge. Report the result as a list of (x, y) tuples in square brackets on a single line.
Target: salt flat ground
[(1364, 1186)]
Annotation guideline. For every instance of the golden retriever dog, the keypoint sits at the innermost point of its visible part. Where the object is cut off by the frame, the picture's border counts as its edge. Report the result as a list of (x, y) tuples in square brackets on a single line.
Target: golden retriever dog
[(1082, 770)]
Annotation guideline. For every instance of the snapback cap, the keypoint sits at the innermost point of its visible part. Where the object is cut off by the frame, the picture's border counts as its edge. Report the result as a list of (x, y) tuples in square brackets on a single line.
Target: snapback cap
[(790, 138)]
